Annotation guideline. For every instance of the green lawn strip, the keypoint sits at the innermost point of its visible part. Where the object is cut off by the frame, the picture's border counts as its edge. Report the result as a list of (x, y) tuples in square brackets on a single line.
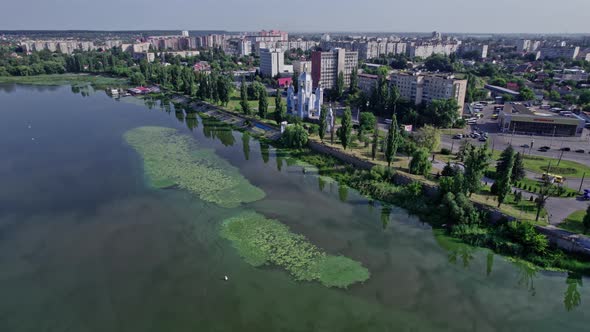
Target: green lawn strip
[(573, 222), (538, 164), (65, 79), (172, 159), (261, 241)]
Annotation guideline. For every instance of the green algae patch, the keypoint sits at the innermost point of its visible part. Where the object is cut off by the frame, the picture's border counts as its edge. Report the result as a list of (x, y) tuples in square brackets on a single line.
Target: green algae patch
[(172, 159), (261, 241)]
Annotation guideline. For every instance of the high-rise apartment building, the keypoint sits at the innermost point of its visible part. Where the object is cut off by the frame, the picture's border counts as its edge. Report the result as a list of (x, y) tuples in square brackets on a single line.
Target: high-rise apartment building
[(325, 66), (424, 88), (271, 62)]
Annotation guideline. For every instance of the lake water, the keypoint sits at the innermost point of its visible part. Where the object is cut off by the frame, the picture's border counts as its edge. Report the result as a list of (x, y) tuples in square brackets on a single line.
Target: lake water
[(86, 245)]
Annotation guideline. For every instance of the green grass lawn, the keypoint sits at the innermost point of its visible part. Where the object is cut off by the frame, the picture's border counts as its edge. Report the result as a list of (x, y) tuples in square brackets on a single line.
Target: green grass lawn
[(65, 79), (538, 164), (535, 184), (573, 222)]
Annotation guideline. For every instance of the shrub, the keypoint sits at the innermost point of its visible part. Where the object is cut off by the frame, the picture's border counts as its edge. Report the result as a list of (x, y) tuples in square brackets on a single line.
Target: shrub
[(445, 151), (295, 136), (420, 164)]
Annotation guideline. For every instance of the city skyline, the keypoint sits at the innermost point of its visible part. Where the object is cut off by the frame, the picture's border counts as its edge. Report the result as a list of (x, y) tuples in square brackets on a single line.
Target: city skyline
[(503, 16)]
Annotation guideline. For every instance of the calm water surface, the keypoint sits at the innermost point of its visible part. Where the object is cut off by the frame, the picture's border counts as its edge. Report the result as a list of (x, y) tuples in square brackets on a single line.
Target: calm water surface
[(85, 245)]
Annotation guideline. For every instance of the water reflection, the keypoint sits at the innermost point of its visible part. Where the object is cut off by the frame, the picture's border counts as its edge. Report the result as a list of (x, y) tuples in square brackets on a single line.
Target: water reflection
[(191, 121), (179, 115), (343, 193), (572, 297), (489, 263), (321, 183), (463, 252), (527, 273), (246, 145), (264, 151), (385, 213), (216, 129)]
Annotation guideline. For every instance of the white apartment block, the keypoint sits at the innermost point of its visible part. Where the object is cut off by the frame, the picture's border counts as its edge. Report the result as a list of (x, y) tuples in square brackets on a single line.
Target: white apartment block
[(325, 66), (424, 88), (427, 49), (63, 46), (272, 61)]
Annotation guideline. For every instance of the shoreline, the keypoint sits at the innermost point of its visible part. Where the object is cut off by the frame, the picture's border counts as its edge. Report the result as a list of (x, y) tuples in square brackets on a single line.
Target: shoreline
[(576, 245)]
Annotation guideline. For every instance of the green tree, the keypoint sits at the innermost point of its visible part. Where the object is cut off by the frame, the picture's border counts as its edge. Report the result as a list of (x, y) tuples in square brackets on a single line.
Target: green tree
[(420, 163), (279, 108), (367, 121), (263, 104), (345, 130), (244, 98), (354, 81), (546, 190), (295, 136), (518, 172), (375, 141), (586, 220), (438, 62), (584, 97), (323, 123), (476, 162), (427, 137), (393, 137), (137, 79), (340, 85), (504, 177), (443, 112), (526, 94)]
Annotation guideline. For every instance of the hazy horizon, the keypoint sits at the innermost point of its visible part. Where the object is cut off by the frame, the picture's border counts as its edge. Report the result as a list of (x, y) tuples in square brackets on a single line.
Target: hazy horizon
[(420, 16)]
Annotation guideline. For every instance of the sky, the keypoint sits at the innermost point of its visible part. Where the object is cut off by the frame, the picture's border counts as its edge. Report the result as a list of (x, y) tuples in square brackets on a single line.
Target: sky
[(478, 16)]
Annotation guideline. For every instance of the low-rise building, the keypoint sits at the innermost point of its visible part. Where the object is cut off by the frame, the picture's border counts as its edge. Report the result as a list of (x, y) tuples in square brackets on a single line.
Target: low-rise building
[(519, 119)]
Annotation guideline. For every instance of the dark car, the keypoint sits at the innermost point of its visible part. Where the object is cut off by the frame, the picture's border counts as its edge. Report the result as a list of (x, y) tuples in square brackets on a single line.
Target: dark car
[(580, 151), (542, 150), (565, 149), (545, 148)]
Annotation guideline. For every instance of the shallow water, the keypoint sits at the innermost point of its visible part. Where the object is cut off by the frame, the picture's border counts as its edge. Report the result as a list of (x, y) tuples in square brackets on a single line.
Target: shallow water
[(85, 245)]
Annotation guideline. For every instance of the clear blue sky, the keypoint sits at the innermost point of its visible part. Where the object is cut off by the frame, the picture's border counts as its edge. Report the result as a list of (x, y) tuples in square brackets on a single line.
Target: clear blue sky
[(531, 16)]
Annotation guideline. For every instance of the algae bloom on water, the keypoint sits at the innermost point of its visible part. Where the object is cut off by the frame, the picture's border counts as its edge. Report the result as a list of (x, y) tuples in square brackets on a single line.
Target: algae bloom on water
[(262, 241), (173, 159)]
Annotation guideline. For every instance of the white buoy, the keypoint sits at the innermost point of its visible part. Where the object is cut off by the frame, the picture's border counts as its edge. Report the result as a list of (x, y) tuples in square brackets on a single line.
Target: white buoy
[(32, 138), (29, 126), (226, 278)]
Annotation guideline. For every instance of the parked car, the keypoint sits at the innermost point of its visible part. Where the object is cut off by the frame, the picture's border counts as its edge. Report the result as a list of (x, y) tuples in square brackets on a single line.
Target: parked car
[(545, 148), (542, 150), (483, 139), (458, 136), (580, 151), (565, 149), (526, 146)]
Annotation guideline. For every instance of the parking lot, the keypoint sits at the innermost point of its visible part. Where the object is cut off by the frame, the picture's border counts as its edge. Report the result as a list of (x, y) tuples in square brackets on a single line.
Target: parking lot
[(527, 144)]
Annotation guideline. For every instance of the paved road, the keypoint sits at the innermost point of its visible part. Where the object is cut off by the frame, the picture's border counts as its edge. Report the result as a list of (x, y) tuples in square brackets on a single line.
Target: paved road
[(559, 208)]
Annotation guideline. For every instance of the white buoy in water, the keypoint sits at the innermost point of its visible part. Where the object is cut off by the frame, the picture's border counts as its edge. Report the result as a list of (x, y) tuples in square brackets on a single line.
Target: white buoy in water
[(226, 278), (29, 126), (32, 138)]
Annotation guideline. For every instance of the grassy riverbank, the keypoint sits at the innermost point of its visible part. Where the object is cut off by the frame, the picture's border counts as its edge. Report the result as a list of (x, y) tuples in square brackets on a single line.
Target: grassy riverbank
[(98, 81)]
